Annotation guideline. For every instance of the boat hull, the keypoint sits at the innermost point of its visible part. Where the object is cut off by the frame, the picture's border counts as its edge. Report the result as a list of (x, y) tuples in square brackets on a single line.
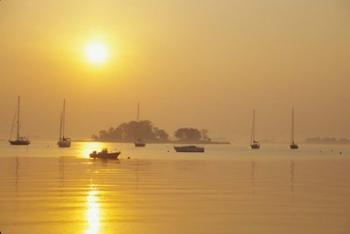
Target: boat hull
[(189, 149), (64, 144), (255, 146), (112, 156), (19, 142), (293, 146), (139, 144)]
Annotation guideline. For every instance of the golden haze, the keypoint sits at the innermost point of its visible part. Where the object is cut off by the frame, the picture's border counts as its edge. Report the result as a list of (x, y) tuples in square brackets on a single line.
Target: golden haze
[(214, 61)]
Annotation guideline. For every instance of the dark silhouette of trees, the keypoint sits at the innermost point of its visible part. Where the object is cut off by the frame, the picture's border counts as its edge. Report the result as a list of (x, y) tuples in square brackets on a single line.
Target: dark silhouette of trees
[(133, 130), (192, 135), (146, 131), (161, 134)]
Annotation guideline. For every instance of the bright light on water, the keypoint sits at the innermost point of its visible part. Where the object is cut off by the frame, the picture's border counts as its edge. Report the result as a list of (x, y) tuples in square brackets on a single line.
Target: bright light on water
[(89, 147), (93, 212)]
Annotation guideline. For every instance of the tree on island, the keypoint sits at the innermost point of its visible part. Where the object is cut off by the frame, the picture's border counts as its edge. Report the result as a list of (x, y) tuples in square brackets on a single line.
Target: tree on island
[(145, 130), (133, 130), (192, 135)]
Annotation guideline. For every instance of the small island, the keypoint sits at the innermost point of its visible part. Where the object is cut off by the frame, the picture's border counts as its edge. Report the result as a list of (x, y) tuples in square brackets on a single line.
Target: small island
[(130, 131)]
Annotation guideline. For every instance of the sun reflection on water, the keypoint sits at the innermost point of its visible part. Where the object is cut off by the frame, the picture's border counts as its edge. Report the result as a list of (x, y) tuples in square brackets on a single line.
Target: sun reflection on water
[(93, 214), (89, 147)]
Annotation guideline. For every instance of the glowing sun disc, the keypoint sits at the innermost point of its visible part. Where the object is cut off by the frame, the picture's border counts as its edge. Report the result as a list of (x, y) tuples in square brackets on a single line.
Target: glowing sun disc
[(96, 53)]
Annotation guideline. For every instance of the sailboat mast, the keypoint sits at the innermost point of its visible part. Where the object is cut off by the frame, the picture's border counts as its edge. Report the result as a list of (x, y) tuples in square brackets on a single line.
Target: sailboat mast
[(18, 115), (63, 117), (138, 112), (253, 128), (60, 133), (292, 132)]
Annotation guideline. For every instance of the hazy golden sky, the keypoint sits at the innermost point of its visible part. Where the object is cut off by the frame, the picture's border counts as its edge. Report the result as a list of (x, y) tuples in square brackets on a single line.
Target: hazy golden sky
[(195, 63)]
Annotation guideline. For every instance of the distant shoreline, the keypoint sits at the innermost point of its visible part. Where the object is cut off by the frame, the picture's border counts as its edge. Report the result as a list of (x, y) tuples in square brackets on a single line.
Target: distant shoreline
[(327, 140), (325, 143), (163, 142)]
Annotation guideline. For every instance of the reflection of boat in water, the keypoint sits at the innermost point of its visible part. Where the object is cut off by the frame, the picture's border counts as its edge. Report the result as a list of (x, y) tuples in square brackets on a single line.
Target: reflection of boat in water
[(20, 140), (293, 145), (254, 144), (104, 154), (63, 142), (140, 143), (189, 149)]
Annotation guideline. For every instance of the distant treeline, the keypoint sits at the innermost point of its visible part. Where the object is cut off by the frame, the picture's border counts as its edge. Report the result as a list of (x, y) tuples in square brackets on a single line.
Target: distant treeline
[(146, 131), (327, 140)]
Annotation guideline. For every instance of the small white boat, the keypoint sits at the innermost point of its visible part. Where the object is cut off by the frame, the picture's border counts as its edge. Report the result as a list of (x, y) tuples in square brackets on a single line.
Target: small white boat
[(63, 142), (104, 154), (189, 149), (19, 140)]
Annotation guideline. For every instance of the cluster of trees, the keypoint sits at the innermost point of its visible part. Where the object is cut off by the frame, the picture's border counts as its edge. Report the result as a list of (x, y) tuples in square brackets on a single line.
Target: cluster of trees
[(145, 130), (133, 130), (192, 135)]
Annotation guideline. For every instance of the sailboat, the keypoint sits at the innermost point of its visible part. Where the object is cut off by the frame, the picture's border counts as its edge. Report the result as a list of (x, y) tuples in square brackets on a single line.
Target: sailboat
[(254, 144), (20, 140), (63, 142), (292, 142), (139, 142)]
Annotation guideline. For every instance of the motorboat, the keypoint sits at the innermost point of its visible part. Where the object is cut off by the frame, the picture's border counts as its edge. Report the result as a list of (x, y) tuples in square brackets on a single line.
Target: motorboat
[(104, 154)]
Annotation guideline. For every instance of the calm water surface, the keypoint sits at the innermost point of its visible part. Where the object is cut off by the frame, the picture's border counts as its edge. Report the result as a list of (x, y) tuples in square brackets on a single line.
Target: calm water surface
[(228, 189)]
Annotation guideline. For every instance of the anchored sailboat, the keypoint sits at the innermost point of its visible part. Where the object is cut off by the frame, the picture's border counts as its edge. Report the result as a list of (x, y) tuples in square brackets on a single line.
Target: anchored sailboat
[(293, 145), (139, 142), (63, 141), (20, 140), (254, 144)]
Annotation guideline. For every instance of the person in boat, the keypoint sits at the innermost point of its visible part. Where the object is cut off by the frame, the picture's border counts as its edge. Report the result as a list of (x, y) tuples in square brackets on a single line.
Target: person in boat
[(103, 151)]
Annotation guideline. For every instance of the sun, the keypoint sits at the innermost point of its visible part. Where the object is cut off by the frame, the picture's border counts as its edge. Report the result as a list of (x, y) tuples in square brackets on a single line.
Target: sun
[(96, 53)]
